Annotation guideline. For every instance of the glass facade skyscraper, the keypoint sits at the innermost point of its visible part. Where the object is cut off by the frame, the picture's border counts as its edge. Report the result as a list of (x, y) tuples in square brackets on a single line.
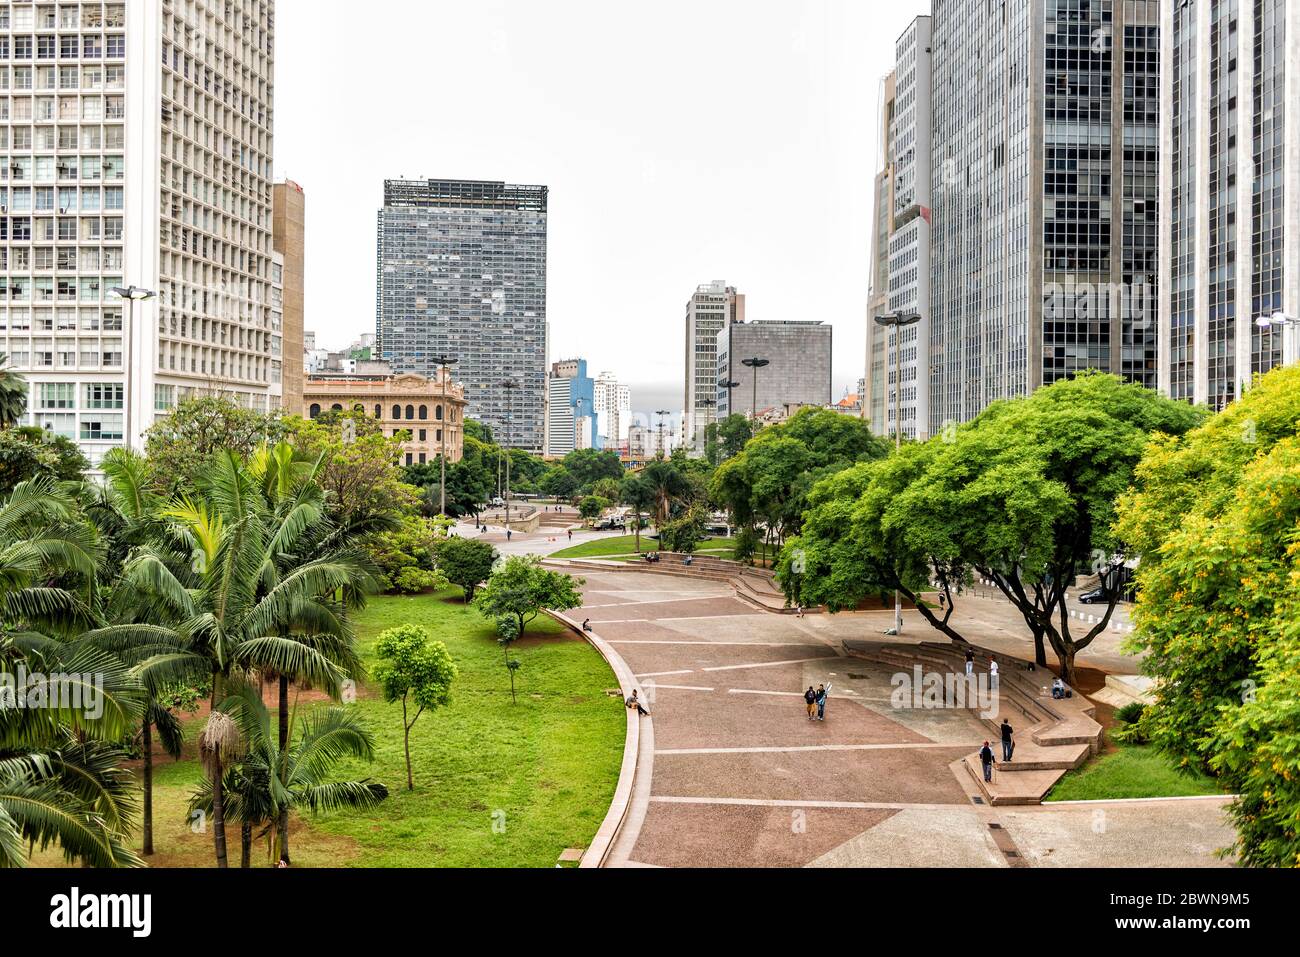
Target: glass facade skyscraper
[(462, 272)]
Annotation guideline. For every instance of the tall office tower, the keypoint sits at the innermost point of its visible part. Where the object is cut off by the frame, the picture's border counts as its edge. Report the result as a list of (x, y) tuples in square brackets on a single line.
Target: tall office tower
[(712, 307), (1230, 192), (1043, 245), (876, 380), (798, 372), (193, 82), (570, 408), (288, 238), (613, 405), (462, 272), (908, 347)]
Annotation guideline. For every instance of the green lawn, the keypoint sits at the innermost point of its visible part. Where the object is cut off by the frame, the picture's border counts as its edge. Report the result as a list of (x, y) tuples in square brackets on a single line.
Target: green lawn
[(496, 784), (1131, 771), (621, 546)]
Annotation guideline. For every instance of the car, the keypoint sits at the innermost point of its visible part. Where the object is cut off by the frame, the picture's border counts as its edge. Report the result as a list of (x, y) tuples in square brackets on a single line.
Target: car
[(498, 502), (1096, 595)]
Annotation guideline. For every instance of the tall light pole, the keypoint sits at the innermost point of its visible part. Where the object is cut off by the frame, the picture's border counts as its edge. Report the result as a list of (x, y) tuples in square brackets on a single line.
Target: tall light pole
[(510, 385), (898, 320), (130, 294), (661, 413), (1290, 349), (755, 363), (446, 362)]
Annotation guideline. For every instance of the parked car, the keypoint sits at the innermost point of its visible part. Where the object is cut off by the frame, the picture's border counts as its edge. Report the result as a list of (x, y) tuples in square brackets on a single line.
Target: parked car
[(1096, 595)]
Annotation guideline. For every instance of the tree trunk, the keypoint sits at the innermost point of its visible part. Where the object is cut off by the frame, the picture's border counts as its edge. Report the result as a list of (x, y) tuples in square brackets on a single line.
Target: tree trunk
[(1040, 648), (218, 817), (406, 731), (284, 743), (147, 813), (245, 844)]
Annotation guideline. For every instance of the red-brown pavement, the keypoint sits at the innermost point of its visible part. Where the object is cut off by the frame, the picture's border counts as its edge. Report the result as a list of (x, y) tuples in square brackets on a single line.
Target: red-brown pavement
[(732, 772)]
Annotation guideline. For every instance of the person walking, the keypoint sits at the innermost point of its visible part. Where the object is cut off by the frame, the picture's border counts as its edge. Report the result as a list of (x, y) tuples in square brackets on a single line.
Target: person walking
[(508, 533), (570, 534), (1008, 741), (810, 698), (822, 692), (634, 702), (970, 662), (986, 759), (993, 673)]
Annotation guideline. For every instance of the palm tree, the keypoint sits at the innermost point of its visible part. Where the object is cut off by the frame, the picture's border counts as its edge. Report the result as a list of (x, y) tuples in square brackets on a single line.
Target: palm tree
[(270, 779), (668, 484), (227, 613), (13, 395)]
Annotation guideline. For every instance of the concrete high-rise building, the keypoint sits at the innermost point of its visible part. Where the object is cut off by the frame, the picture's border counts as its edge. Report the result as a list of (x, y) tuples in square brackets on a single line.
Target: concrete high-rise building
[(798, 371), (570, 408), (288, 239), (712, 307), (907, 348), (1044, 164), (1230, 193), (180, 208), (462, 272), (876, 381), (613, 405)]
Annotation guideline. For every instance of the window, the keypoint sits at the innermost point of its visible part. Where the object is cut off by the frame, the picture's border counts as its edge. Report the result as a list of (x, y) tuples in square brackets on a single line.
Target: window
[(314, 411), (105, 395), (410, 412), (424, 412), (57, 395), (102, 427)]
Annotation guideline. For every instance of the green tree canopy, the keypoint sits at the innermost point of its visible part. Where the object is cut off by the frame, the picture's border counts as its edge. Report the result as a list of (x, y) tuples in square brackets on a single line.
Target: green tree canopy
[(589, 466), (179, 446), (466, 562), (521, 589), (417, 672)]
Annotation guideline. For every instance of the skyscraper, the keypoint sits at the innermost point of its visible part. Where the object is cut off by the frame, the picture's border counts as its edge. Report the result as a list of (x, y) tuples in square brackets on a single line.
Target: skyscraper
[(288, 237), (462, 272), (570, 408), (1230, 192), (613, 405), (876, 380), (1044, 166), (193, 82), (713, 306)]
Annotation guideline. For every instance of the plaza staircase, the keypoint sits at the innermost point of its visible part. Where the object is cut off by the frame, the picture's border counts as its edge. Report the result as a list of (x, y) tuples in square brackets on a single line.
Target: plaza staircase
[(1053, 736), (754, 586)]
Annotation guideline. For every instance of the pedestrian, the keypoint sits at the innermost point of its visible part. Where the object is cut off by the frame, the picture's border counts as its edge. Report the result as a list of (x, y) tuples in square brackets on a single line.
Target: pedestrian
[(586, 624), (970, 662), (822, 692), (993, 673), (508, 534), (634, 702), (943, 602), (1008, 741), (799, 610), (986, 759), (570, 534), (810, 698)]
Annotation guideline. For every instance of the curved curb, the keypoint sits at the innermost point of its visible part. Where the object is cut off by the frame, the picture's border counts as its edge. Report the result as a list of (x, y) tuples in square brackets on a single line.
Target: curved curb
[(598, 852)]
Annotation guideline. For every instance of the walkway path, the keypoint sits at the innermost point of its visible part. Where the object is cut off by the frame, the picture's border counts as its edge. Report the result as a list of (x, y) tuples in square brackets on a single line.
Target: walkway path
[(732, 773)]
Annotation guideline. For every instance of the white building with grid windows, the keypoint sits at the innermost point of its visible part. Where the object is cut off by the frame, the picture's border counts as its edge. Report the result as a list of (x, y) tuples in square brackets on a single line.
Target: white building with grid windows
[(135, 150)]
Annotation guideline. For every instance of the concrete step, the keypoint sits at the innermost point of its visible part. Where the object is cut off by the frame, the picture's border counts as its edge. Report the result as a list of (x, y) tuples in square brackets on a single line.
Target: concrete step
[(1006, 790)]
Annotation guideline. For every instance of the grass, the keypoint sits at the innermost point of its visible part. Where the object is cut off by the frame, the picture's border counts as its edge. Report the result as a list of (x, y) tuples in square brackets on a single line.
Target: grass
[(497, 784), (622, 546), (1130, 771)]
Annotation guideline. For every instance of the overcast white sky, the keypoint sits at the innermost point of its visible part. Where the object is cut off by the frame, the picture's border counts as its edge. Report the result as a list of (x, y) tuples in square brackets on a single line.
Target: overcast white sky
[(682, 142)]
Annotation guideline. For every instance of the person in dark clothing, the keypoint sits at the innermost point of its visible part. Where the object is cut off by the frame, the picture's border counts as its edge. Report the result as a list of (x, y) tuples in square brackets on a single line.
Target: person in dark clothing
[(810, 698), (1008, 741), (586, 624), (634, 702), (986, 759), (970, 662), (822, 692), (570, 534)]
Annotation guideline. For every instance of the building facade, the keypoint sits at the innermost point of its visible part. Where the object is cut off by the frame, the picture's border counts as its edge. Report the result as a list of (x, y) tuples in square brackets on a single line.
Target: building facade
[(613, 405), (570, 408), (288, 239), (798, 373), (1230, 193), (712, 307), (180, 209), (875, 382), (462, 272), (428, 414), (1044, 180)]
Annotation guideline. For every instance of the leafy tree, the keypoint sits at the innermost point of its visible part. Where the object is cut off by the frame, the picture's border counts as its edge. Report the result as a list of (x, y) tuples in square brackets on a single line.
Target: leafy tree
[(272, 779), (671, 488), (405, 556), (508, 634), (29, 452), (639, 495), (1212, 517), (13, 395), (416, 671), (466, 562), (608, 489), (592, 506), (685, 533), (589, 466), (180, 445), (521, 589), (480, 432), (733, 433), (559, 482)]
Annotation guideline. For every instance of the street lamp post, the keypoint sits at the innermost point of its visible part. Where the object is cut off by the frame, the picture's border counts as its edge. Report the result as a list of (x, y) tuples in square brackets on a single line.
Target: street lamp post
[(898, 320), (130, 294), (446, 362), (755, 363), (661, 413), (1290, 326)]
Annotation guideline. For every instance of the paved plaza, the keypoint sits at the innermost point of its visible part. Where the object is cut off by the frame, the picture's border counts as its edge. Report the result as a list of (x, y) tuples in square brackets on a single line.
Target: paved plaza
[(731, 773)]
